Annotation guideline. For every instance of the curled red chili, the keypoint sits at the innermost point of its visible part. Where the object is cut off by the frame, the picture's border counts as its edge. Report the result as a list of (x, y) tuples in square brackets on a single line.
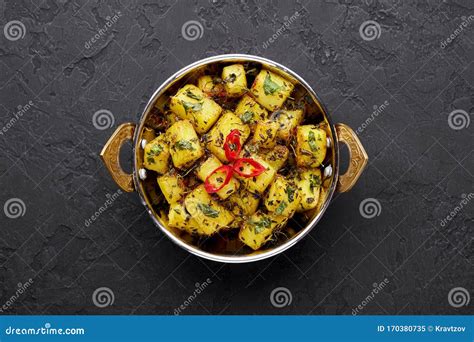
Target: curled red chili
[(238, 167), (211, 188), (232, 150), (232, 145)]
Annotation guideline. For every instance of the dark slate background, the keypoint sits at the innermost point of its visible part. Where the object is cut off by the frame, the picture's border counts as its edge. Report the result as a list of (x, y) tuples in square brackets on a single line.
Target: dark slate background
[(419, 167)]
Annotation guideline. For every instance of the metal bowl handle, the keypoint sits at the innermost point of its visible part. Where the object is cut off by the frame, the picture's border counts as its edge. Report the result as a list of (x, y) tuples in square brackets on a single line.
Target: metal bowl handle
[(358, 157), (111, 156)]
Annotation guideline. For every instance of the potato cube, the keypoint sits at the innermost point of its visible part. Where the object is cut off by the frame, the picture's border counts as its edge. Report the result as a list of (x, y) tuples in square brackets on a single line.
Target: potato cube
[(179, 218), (283, 197), (244, 203), (249, 111), (259, 183), (217, 135), (271, 90), (210, 85), (184, 144), (288, 120), (276, 157), (207, 167), (265, 134), (156, 155), (235, 80), (258, 229), (209, 214), (191, 104), (309, 184), (310, 146), (172, 187)]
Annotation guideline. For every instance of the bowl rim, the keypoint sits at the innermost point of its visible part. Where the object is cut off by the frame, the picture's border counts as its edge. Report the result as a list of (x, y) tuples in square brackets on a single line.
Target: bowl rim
[(256, 256)]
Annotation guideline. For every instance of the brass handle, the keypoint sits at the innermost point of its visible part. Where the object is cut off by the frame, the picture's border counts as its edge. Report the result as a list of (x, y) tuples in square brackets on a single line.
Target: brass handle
[(111, 156), (358, 157)]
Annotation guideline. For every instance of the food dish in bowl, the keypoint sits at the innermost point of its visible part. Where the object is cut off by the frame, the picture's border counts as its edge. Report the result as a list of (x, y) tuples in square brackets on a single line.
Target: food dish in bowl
[(235, 158)]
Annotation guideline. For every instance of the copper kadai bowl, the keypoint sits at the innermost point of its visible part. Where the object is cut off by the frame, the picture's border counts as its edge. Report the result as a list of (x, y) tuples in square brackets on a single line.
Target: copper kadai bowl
[(226, 250)]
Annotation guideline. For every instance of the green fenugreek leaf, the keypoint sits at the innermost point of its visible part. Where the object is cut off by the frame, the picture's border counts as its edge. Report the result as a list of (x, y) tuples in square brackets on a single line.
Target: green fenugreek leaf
[(208, 210), (269, 87), (184, 145), (312, 141)]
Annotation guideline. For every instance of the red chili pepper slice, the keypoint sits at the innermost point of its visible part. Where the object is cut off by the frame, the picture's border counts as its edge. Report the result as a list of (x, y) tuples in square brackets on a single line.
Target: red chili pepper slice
[(257, 167), (232, 145), (227, 170)]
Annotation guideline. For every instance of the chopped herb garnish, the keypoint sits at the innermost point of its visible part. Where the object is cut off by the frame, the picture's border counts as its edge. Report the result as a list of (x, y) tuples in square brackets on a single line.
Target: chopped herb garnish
[(232, 77), (281, 207), (269, 87), (247, 117), (260, 226), (184, 145), (155, 150), (150, 160), (208, 210), (191, 95), (191, 106), (290, 191), (312, 141), (314, 182)]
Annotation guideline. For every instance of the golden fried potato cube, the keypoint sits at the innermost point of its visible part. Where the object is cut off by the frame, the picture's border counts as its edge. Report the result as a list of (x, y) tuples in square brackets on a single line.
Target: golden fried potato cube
[(244, 203), (156, 155), (172, 187), (309, 184), (184, 144), (207, 167), (288, 120), (179, 218), (283, 197), (209, 214), (191, 104), (210, 85), (265, 134), (310, 146), (235, 80), (249, 111), (276, 157), (258, 229), (217, 135), (259, 183), (271, 90)]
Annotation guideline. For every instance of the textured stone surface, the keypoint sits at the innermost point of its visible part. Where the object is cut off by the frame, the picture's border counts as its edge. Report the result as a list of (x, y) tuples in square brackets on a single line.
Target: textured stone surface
[(419, 167)]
